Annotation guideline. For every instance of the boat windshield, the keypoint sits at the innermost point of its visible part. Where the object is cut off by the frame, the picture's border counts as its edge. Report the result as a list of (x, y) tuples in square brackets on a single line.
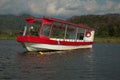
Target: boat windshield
[(46, 30), (31, 29)]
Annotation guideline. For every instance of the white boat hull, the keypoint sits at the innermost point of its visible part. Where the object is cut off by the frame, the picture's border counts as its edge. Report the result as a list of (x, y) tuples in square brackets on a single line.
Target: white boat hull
[(41, 47)]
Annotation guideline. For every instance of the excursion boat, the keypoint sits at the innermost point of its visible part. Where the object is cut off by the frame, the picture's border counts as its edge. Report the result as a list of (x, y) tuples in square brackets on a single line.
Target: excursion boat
[(55, 34)]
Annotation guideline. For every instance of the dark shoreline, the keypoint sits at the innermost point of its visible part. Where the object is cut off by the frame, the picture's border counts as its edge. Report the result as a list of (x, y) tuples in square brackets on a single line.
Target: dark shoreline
[(107, 39), (96, 40)]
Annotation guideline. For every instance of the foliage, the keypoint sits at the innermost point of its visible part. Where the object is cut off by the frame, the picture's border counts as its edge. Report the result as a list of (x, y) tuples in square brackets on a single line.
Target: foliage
[(106, 25), (12, 22), (107, 39)]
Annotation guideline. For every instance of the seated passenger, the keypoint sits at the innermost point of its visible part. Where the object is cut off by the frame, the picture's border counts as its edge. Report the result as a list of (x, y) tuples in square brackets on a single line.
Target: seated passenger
[(81, 36)]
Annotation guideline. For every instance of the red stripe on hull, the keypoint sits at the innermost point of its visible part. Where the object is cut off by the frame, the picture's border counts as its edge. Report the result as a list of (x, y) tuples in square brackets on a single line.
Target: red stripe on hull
[(45, 40)]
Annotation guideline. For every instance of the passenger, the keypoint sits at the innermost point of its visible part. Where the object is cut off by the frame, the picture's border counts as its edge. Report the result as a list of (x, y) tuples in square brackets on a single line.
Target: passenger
[(81, 36), (30, 30)]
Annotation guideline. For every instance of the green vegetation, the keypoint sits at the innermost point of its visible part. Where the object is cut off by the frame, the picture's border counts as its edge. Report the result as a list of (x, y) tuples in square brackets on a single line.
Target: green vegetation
[(11, 26), (106, 25), (12, 22), (7, 37), (107, 39)]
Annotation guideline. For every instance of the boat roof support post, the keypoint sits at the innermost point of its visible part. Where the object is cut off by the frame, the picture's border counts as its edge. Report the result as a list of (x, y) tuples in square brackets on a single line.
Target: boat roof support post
[(25, 30), (65, 32), (50, 30), (40, 31), (85, 33), (76, 33)]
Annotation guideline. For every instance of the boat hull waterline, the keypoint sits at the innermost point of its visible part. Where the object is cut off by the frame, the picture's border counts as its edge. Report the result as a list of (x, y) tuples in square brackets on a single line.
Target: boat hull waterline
[(42, 47)]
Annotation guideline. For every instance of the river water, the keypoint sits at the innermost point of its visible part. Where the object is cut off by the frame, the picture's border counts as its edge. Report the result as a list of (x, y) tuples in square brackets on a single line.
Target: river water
[(102, 62)]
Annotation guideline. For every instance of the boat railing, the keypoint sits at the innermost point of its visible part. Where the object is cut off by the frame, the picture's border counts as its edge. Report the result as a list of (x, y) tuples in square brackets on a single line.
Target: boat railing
[(71, 40)]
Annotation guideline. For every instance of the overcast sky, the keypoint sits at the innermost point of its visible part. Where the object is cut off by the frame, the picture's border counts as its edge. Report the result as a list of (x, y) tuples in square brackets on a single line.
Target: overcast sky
[(59, 8)]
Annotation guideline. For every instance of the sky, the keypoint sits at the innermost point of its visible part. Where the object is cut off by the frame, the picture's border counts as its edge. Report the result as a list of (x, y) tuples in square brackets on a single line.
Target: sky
[(59, 8)]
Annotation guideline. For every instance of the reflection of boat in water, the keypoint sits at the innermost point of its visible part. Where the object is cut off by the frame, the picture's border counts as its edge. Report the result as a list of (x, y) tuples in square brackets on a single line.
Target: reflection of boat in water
[(55, 34)]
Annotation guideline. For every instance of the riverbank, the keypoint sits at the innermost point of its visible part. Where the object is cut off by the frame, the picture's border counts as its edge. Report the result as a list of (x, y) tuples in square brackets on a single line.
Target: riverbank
[(97, 39), (7, 37), (107, 39)]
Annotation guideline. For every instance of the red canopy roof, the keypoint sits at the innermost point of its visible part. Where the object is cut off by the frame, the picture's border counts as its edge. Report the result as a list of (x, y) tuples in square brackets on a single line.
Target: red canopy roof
[(52, 20)]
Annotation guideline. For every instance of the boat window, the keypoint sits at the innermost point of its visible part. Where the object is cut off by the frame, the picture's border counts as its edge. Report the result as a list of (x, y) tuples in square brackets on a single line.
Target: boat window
[(27, 30), (46, 30), (32, 29), (35, 30), (71, 32), (80, 36), (58, 31), (63, 31)]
